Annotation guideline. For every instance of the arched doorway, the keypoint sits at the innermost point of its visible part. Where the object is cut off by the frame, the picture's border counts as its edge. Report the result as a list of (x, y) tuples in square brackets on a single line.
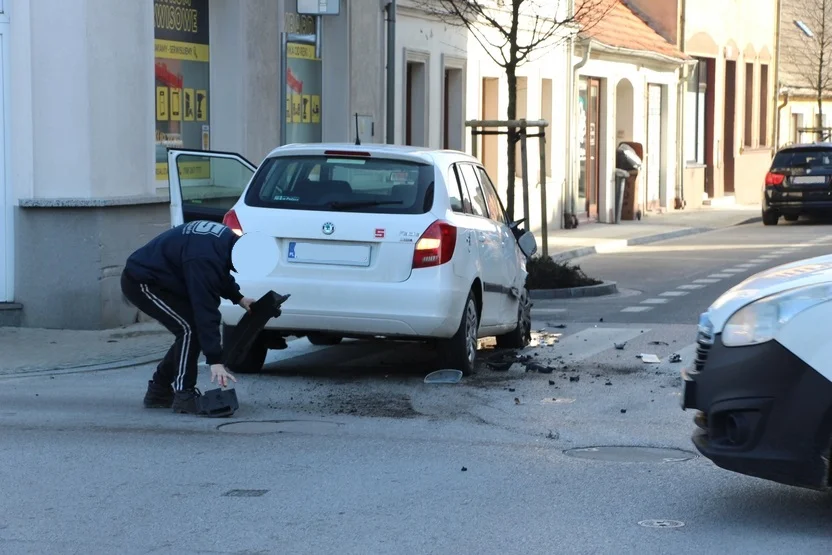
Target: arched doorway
[(624, 115)]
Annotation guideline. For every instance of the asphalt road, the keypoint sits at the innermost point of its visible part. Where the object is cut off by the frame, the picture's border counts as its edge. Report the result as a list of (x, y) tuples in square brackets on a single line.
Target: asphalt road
[(346, 450)]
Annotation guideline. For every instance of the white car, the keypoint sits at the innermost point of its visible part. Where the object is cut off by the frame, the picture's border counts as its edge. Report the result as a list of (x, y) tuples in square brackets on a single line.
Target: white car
[(374, 241), (761, 383)]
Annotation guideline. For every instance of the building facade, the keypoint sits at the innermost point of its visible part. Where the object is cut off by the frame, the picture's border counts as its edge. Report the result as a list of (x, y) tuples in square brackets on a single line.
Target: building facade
[(627, 81), (98, 93)]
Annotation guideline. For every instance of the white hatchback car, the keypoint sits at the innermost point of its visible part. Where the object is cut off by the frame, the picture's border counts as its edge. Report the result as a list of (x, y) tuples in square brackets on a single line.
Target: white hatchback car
[(375, 241)]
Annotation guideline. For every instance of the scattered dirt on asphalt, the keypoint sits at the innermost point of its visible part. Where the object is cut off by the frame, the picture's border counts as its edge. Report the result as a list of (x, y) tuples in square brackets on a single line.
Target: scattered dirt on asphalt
[(379, 406)]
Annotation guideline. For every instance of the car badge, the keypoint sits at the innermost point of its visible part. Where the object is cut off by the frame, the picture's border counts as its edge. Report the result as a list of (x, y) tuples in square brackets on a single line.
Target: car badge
[(328, 228)]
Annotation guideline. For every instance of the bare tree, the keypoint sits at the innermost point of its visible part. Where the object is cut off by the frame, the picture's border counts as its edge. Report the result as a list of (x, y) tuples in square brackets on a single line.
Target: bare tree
[(808, 50), (512, 32)]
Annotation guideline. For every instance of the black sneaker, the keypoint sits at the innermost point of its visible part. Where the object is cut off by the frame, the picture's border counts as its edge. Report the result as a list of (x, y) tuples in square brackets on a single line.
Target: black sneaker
[(185, 402), (158, 396)]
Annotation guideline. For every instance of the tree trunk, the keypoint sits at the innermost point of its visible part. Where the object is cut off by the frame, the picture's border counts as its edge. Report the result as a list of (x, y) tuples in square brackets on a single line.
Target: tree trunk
[(819, 123), (511, 139)]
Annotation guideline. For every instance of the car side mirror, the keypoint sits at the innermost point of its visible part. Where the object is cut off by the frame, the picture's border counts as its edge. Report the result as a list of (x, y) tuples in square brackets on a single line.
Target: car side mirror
[(527, 243)]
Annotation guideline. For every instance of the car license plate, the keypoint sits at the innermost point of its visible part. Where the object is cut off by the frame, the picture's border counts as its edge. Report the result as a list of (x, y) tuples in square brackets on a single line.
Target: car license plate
[(331, 254), (809, 179)]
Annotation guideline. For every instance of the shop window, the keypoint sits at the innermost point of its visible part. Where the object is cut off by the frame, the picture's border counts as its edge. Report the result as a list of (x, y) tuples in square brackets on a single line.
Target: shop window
[(182, 92), (695, 104), (764, 105), (749, 105)]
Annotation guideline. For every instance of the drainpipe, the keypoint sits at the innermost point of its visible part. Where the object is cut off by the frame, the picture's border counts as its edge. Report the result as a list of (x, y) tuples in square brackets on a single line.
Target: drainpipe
[(680, 104), (573, 162), (775, 129), (391, 71)]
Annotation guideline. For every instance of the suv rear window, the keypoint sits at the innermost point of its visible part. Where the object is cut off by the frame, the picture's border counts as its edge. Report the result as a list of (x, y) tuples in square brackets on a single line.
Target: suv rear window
[(803, 158), (371, 185)]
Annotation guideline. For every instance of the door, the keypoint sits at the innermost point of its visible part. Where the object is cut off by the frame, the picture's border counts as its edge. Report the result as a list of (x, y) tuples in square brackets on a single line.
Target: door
[(654, 147), (490, 249), (729, 128), (205, 184), (6, 229), (590, 101)]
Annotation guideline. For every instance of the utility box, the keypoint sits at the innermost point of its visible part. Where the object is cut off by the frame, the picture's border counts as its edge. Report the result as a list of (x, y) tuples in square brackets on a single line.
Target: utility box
[(628, 157)]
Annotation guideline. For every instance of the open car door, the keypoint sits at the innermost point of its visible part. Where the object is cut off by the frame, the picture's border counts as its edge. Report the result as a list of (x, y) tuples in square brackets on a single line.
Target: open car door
[(205, 184)]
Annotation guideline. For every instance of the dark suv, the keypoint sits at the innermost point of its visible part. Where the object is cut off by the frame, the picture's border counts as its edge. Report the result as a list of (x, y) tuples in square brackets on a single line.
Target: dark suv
[(798, 182)]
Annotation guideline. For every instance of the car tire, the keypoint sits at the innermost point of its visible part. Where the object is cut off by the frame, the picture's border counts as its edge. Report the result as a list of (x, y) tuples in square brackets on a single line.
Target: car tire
[(520, 336), (791, 217), (323, 339), (770, 218), (460, 351), (253, 362)]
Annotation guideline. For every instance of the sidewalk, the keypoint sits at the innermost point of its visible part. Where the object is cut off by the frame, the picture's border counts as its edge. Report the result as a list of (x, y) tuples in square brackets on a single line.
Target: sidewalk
[(586, 239), (33, 351)]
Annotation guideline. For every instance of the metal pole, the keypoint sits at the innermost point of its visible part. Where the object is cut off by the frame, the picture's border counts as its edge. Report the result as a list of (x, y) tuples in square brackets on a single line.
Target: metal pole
[(319, 28), (524, 164), (474, 148), (284, 68), (544, 212), (391, 72)]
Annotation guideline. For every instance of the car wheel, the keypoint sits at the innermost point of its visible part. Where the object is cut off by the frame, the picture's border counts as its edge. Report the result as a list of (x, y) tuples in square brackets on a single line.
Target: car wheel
[(323, 339), (770, 218), (791, 217), (522, 334), (460, 351)]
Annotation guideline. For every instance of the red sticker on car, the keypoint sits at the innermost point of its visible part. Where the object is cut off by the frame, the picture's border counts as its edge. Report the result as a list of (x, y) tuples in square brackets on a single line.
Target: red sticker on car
[(379, 233)]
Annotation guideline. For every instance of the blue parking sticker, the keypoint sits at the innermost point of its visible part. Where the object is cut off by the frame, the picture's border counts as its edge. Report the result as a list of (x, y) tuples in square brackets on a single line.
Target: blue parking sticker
[(292, 249)]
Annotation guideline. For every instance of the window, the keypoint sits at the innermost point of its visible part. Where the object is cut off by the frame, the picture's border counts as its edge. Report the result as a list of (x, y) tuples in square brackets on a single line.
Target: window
[(522, 110), (695, 106), (369, 185), (797, 125), (749, 105), (546, 114), (803, 158), (763, 105), (472, 184), (416, 95), (495, 207), (459, 200)]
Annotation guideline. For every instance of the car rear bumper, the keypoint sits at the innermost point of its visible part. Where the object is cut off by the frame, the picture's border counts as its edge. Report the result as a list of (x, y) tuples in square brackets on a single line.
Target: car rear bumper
[(762, 412), (797, 202), (428, 304)]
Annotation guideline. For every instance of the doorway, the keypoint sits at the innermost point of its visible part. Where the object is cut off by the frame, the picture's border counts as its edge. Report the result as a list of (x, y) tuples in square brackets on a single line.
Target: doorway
[(589, 133), (655, 144), (6, 230), (415, 104), (452, 116), (728, 130)]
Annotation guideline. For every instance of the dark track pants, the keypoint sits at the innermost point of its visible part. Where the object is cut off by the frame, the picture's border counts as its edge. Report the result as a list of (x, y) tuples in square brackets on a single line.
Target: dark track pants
[(179, 367)]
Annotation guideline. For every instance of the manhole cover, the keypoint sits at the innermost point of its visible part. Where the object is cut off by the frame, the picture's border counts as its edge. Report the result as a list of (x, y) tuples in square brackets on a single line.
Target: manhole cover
[(624, 453), (661, 523), (277, 426)]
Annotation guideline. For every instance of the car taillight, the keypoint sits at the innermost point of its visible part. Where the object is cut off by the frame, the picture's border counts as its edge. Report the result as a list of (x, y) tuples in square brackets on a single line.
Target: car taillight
[(774, 179), (435, 246), (230, 220)]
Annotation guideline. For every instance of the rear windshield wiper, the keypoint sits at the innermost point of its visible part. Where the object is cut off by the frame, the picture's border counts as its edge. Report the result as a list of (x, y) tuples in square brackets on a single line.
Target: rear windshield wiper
[(337, 205)]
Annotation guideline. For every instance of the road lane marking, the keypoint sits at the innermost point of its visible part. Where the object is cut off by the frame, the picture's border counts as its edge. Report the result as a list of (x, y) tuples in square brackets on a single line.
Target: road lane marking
[(692, 286), (655, 301), (719, 276), (675, 293), (637, 309), (549, 310), (733, 270), (746, 265), (758, 260), (707, 280)]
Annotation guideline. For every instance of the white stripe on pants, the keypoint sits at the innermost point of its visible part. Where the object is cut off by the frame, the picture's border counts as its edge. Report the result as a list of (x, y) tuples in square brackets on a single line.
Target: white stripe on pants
[(186, 339)]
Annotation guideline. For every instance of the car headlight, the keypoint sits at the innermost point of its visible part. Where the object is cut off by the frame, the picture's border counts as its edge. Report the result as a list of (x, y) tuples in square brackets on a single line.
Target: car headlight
[(760, 321)]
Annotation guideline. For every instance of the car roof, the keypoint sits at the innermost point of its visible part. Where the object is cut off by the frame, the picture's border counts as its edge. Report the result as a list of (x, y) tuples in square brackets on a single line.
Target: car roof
[(806, 146), (395, 151)]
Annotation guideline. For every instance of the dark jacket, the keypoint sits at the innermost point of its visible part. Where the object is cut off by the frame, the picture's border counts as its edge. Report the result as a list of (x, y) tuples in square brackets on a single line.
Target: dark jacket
[(193, 261)]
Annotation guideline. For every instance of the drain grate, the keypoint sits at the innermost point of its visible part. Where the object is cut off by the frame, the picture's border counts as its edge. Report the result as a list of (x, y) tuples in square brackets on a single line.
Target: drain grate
[(661, 523), (245, 493), (634, 454)]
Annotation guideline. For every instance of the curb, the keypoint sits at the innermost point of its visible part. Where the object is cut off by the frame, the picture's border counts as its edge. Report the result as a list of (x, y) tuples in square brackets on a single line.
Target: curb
[(116, 365), (585, 251), (754, 220), (604, 288)]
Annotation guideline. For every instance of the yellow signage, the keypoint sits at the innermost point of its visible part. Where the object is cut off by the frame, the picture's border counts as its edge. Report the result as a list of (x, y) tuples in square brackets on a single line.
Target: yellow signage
[(189, 104), (302, 51), (175, 50), (162, 103), (175, 104), (296, 108), (187, 170), (306, 108), (316, 108), (201, 105), (289, 108)]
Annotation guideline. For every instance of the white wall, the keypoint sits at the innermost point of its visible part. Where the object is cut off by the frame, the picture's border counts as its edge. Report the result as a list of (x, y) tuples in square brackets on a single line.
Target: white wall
[(6, 197)]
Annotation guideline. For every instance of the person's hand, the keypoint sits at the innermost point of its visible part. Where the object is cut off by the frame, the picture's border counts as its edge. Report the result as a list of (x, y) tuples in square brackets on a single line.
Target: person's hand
[(221, 373), (246, 303)]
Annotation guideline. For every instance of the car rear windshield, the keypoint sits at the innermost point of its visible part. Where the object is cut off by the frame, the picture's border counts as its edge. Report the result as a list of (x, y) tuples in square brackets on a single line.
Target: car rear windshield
[(803, 158), (343, 183)]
